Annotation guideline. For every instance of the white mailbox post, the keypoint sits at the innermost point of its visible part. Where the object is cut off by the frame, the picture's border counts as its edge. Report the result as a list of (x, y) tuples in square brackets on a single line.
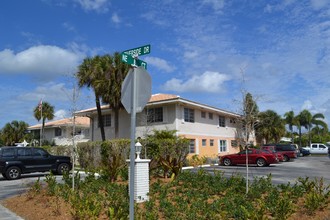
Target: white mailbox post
[(141, 173)]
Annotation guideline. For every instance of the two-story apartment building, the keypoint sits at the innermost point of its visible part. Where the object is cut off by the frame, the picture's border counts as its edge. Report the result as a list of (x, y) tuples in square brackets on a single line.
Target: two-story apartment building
[(211, 131)]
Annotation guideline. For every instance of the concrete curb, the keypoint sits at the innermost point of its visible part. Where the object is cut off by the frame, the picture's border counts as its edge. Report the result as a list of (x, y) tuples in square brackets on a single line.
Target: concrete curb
[(6, 214)]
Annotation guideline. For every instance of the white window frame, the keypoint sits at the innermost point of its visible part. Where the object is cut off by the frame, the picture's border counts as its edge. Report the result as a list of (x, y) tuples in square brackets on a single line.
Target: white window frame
[(223, 146)]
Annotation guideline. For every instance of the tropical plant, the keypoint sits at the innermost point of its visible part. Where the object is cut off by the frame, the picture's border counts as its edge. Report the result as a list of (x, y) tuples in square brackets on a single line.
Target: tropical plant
[(91, 73), (270, 127), (290, 120), (43, 113), (116, 71), (168, 152), (13, 132), (307, 120)]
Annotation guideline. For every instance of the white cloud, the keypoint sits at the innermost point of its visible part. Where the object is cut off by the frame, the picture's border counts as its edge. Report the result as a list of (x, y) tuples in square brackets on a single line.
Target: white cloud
[(160, 64), (94, 5), (115, 18), (61, 114), (217, 5), (48, 92), (307, 105), (210, 82), (319, 4), (42, 61)]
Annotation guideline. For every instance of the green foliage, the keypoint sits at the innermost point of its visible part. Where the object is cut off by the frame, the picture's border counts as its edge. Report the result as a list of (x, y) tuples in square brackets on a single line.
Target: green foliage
[(89, 155), (317, 194), (14, 132), (192, 195), (114, 154), (167, 152), (51, 184), (196, 160), (34, 189)]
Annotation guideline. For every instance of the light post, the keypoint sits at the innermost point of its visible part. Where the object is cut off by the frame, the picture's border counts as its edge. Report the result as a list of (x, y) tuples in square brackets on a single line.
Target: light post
[(138, 148)]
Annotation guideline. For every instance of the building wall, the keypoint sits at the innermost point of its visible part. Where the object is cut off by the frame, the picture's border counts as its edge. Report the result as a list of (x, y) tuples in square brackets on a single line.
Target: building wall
[(173, 119)]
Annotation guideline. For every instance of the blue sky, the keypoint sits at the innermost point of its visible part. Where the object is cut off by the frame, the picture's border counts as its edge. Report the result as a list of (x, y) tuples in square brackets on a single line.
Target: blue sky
[(209, 51)]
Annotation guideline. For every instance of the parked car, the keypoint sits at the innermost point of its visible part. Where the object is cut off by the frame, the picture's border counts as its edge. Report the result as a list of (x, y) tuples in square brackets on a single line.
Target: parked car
[(317, 148), (288, 151), (272, 149), (303, 152), (297, 149), (15, 161), (255, 156)]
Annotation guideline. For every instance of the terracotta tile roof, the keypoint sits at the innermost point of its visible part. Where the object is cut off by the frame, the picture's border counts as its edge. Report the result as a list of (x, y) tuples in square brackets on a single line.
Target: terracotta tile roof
[(162, 97), (80, 121)]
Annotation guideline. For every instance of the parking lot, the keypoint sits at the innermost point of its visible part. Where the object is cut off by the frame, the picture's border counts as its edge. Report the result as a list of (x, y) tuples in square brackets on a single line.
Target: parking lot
[(282, 173), (311, 166)]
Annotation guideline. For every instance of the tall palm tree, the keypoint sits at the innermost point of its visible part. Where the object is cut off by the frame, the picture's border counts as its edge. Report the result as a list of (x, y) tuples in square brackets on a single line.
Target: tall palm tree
[(43, 113), (116, 75), (299, 123), (91, 74), (14, 132), (290, 120), (316, 120)]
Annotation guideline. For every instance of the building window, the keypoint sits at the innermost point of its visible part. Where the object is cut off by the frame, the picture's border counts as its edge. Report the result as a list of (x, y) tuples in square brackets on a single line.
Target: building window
[(222, 121), (106, 121), (232, 121), (211, 116), (234, 143), (192, 149), (189, 115), (58, 132), (203, 114), (211, 142), (155, 114), (203, 142), (222, 146)]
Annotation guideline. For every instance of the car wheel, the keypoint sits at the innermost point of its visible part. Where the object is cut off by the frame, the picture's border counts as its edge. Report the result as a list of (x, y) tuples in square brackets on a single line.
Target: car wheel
[(62, 168), (226, 162), (13, 173), (261, 162), (286, 158)]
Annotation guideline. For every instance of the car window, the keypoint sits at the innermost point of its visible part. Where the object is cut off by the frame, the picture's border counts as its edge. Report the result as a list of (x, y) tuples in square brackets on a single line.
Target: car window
[(314, 146), (39, 153), (322, 146), (24, 152), (8, 152)]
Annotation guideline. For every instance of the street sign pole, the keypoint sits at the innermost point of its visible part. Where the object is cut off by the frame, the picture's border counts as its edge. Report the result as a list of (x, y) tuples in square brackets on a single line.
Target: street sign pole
[(132, 152), (130, 104)]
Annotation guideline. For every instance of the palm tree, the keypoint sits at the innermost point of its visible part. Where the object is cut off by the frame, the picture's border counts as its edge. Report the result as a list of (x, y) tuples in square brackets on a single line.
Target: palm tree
[(91, 74), (116, 75), (43, 112), (317, 122), (271, 126), (291, 121), (14, 132)]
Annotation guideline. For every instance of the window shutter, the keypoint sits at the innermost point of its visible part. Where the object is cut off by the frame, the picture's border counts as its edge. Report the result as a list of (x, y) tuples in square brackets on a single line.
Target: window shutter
[(165, 114), (197, 146)]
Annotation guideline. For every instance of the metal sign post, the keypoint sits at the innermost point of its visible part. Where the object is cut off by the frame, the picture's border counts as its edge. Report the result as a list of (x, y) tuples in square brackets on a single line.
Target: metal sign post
[(132, 152), (135, 93)]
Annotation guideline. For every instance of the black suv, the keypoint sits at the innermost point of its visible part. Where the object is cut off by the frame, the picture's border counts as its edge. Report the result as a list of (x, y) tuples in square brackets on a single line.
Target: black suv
[(17, 160)]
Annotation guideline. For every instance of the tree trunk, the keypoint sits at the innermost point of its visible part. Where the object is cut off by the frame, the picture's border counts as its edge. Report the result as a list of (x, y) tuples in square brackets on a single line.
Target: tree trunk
[(99, 114), (116, 112)]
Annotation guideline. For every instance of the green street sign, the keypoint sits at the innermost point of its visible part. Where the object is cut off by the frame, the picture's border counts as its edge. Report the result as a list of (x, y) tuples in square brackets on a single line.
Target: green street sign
[(135, 52), (132, 61)]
